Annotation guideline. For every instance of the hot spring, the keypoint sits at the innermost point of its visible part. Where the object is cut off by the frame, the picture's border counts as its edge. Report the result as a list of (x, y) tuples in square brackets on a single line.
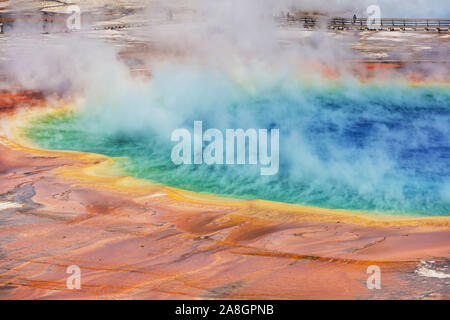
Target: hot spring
[(344, 144)]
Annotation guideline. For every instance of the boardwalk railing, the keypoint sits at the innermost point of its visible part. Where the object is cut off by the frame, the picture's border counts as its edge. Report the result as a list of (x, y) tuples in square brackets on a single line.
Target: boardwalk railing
[(385, 24), (392, 24)]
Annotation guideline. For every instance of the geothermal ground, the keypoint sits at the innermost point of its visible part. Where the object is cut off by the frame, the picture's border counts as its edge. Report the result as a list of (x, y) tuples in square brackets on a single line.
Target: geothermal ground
[(133, 239)]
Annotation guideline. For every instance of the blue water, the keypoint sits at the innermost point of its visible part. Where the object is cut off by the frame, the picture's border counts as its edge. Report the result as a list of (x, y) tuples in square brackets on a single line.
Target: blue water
[(346, 145)]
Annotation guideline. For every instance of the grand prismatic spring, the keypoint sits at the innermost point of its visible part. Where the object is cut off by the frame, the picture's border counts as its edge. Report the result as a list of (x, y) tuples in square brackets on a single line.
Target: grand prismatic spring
[(344, 145), (87, 180)]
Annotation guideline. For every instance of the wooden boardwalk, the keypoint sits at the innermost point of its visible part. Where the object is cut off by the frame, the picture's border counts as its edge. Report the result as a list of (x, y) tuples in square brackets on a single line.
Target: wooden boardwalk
[(385, 24)]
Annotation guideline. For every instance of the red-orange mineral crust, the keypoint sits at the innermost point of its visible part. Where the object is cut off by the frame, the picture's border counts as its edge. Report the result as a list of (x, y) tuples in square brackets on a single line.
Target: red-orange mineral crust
[(134, 240)]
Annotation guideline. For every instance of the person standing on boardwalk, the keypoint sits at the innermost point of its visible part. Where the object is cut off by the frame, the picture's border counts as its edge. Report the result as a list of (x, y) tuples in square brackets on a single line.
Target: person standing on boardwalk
[(354, 18)]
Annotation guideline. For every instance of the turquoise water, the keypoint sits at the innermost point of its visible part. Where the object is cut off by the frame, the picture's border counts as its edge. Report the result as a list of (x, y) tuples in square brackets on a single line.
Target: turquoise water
[(371, 147)]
